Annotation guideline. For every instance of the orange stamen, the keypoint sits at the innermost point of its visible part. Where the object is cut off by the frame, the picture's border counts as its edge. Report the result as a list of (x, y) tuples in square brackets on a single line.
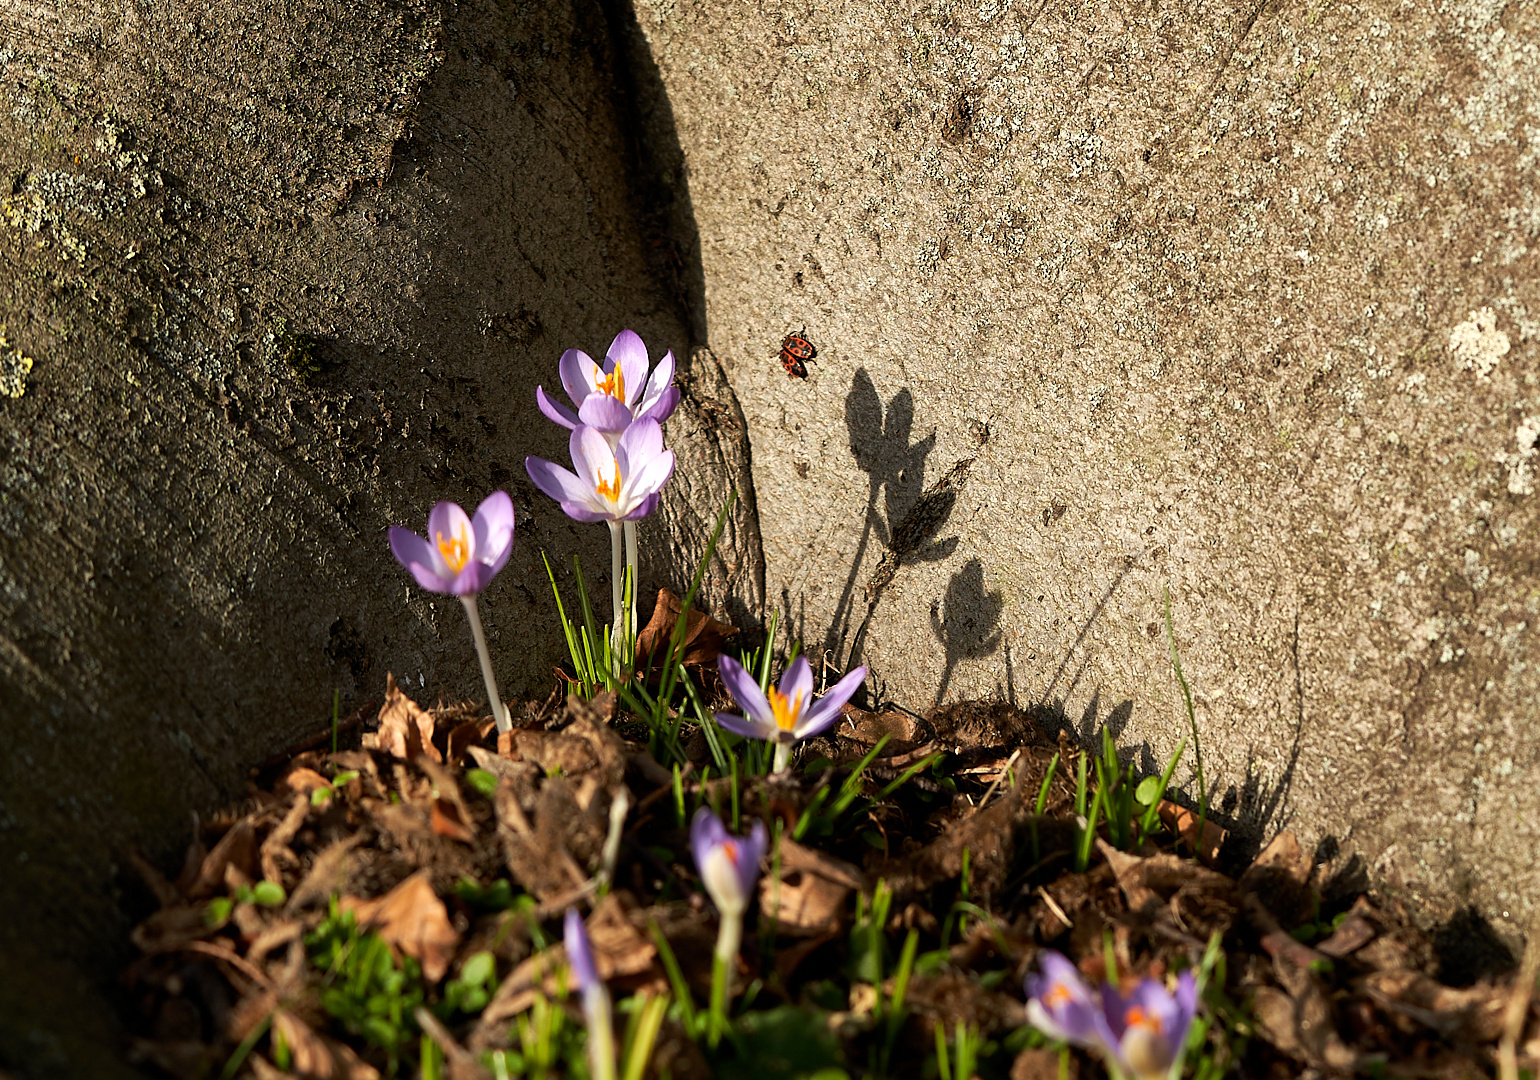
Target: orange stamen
[(1137, 1017), (785, 712), (609, 490), (456, 550), (613, 384)]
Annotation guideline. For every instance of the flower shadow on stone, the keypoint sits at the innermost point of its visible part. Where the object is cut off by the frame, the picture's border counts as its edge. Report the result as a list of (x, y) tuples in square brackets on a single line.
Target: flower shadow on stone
[(967, 622), (895, 468)]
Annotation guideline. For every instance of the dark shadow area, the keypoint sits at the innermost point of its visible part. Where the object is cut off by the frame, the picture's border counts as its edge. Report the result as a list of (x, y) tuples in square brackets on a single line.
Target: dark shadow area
[(1468, 949), (656, 173)]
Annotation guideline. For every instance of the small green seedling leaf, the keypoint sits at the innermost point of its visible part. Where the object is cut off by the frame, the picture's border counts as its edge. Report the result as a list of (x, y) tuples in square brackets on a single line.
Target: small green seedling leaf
[(1148, 791), (217, 913), (480, 969), (269, 894), (483, 781)]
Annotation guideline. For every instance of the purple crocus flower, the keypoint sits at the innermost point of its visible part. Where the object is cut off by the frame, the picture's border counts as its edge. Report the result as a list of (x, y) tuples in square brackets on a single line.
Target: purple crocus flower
[(579, 953), (728, 864), (596, 997), (622, 484), (1148, 1027), (1062, 1006), (1141, 1034), (611, 396), (789, 714), (461, 554), (461, 557)]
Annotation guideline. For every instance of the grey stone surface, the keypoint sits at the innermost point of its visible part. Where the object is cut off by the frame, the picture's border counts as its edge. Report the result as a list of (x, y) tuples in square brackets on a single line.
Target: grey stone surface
[(276, 276), (1238, 299)]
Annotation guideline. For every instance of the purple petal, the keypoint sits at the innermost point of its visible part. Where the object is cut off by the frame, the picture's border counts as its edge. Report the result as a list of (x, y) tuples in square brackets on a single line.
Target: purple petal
[(643, 508), (826, 710), (706, 832), (555, 411), (594, 459), (640, 443), (746, 692), (475, 577), (577, 374), (797, 682), (409, 548), (447, 521), (661, 409), (658, 383), (430, 579), (579, 954), (604, 413), (653, 475), (585, 512), (629, 354), (749, 729), (560, 484), (751, 849), (493, 525)]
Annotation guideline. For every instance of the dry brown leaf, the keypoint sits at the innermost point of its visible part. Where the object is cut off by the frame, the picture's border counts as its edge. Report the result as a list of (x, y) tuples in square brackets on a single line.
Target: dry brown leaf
[(413, 919), (1352, 934), (463, 736), (1473, 1014), (236, 850), (349, 1065), (704, 637), (406, 729), (447, 821), (170, 928), (275, 853), (301, 780), (327, 874), (809, 897), (1043, 1064), (989, 837), (280, 933), (1184, 823), (311, 1059)]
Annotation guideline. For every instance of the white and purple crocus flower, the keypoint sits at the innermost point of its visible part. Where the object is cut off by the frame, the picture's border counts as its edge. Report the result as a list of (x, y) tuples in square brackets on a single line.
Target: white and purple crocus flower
[(613, 395), (613, 484), (460, 557), (789, 713), (596, 998), (728, 867), (1140, 1034), (617, 454)]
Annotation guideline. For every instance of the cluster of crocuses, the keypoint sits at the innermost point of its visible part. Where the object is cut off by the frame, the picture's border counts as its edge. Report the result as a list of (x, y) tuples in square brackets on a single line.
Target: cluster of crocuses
[(621, 467), (1141, 1033), (728, 866)]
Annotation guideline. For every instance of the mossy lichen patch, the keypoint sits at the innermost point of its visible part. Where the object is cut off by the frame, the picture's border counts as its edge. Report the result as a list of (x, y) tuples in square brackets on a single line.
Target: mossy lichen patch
[(15, 366)]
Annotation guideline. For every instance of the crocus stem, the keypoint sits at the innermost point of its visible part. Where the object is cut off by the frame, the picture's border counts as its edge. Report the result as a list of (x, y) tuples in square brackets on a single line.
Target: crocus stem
[(630, 531), (729, 937), (601, 1033), (499, 710), (782, 757), (616, 626)]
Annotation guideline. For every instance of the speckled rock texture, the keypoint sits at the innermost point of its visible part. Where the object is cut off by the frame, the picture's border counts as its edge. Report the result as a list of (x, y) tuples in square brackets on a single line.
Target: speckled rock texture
[(275, 276), (1238, 299)]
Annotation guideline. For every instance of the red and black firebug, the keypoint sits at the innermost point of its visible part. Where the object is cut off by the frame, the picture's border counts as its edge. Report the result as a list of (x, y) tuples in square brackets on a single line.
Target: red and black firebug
[(796, 351)]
